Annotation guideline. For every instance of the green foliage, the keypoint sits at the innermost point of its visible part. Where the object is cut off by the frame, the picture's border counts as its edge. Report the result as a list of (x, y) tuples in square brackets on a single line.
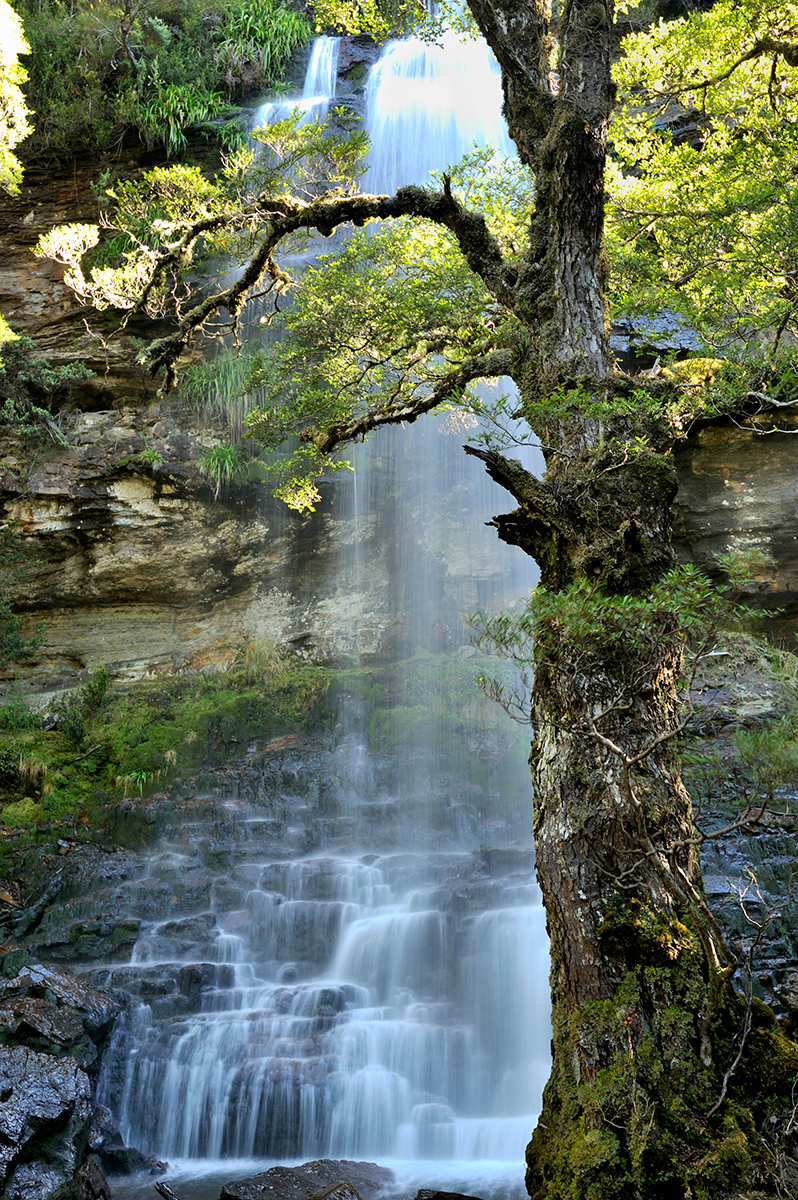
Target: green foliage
[(305, 158), (167, 112), (148, 456), (216, 389), (260, 34), (145, 210), (585, 621), (120, 740), (15, 714), (771, 752), (30, 389), (94, 692), (161, 67), (14, 114), (224, 463), (372, 328), (380, 18), (79, 708), (711, 232), (111, 264)]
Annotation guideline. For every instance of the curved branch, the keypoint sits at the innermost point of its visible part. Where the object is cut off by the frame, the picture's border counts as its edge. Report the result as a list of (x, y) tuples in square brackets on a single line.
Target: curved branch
[(285, 215), (450, 387), (535, 496), (765, 45)]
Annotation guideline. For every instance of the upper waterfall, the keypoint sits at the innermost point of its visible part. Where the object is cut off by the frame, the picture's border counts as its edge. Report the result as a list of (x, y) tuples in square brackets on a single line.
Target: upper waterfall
[(317, 91), (428, 105)]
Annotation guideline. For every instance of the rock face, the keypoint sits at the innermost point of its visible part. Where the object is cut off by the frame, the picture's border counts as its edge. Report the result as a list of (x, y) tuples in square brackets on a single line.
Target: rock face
[(134, 563), (738, 490), (33, 297), (52, 1027)]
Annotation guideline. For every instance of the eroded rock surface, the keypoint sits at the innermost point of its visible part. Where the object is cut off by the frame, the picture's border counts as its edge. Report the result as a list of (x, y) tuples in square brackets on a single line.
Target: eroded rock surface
[(738, 491), (53, 1028), (323, 1179), (136, 564), (44, 1121)]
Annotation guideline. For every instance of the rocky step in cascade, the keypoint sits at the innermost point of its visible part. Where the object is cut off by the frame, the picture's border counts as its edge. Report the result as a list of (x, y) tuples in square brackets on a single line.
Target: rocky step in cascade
[(369, 997)]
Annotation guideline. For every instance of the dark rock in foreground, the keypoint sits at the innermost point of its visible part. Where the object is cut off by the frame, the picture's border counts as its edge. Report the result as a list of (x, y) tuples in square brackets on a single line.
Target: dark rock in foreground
[(52, 1030), (324, 1179), (432, 1194)]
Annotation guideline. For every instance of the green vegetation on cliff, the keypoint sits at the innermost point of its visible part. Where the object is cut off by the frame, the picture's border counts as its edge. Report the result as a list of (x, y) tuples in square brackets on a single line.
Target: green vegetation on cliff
[(103, 742), (113, 741), (14, 115), (159, 67)]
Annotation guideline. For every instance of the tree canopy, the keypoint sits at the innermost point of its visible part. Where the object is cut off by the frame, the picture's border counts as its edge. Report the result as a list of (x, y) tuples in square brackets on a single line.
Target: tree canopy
[(704, 211), (14, 115)]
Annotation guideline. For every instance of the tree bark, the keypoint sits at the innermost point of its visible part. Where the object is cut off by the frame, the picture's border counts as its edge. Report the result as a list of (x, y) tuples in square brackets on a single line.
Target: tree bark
[(642, 1016)]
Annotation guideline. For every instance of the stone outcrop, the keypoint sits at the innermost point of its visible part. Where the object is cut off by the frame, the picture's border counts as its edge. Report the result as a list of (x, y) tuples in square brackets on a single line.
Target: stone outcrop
[(52, 1028), (323, 1179), (33, 297), (738, 490), (135, 563)]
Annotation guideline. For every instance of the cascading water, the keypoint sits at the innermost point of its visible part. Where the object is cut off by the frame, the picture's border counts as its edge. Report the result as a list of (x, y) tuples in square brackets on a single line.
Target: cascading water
[(318, 89), (367, 975), (385, 1002), (428, 105)]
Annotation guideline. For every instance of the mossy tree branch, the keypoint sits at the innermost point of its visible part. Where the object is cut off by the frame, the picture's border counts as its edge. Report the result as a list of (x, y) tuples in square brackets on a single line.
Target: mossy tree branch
[(283, 216)]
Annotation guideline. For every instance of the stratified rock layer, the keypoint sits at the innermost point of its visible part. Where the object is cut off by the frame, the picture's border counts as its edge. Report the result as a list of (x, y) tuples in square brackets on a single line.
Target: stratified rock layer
[(738, 491)]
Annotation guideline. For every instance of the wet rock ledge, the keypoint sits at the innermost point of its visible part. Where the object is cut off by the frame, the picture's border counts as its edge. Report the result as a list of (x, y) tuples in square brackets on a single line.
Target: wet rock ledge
[(52, 1031)]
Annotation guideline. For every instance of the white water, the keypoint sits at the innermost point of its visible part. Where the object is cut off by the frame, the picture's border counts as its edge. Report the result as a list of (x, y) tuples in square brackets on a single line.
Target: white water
[(388, 1000), (425, 1037), (318, 89), (428, 105)]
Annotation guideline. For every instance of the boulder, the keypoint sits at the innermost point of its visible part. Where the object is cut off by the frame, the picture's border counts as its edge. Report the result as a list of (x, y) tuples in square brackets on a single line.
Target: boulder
[(44, 1122), (323, 1179), (106, 1143), (51, 1028), (88, 1183), (73, 998)]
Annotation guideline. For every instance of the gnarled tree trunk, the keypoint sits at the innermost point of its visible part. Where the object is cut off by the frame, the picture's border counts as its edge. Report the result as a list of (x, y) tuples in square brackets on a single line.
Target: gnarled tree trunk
[(643, 1018)]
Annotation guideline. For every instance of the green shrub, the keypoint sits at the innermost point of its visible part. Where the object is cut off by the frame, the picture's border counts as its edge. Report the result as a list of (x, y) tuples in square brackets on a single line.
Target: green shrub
[(94, 691), (15, 714), (173, 108), (160, 67), (225, 463)]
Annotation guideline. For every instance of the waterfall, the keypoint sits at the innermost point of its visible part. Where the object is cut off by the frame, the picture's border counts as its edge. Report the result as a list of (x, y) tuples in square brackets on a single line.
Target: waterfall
[(386, 1029), (428, 105), (372, 952), (318, 89)]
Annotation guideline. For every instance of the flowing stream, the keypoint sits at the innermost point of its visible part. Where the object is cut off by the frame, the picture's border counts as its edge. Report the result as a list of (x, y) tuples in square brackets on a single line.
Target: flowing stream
[(353, 926)]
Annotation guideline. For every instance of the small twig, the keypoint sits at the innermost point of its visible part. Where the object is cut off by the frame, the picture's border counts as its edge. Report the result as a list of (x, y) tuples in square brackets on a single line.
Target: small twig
[(81, 757), (163, 1189), (746, 1030)]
